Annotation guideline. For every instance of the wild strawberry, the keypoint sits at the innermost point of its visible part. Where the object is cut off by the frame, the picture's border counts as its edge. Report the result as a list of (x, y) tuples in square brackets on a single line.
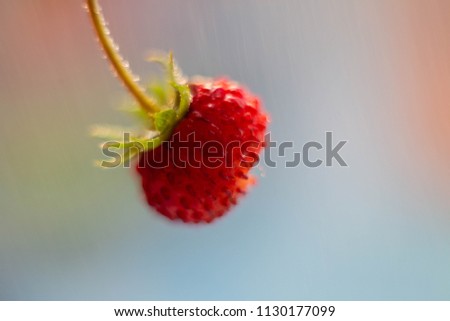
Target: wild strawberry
[(223, 117), (201, 138)]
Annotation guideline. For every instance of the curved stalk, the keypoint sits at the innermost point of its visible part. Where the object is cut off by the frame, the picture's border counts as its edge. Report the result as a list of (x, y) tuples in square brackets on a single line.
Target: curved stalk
[(116, 60)]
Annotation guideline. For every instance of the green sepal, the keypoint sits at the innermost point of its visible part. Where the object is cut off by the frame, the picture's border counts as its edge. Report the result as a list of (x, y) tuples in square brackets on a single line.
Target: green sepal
[(126, 144), (164, 120), (160, 91), (140, 114), (109, 132), (184, 100), (177, 81)]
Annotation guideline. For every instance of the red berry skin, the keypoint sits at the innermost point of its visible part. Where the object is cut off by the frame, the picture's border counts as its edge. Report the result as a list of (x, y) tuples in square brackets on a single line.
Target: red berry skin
[(195, 187)]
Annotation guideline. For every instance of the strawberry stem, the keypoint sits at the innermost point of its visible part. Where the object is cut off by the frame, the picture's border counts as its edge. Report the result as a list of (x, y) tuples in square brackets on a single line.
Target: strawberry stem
[(116, 60), (160, 116)]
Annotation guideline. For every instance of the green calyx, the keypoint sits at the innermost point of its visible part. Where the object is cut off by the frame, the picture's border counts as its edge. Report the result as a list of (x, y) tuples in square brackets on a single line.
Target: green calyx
[(179, 98), (159, 108)]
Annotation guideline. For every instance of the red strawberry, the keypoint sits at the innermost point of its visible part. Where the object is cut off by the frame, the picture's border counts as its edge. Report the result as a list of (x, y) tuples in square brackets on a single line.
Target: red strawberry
[(208, 137), (221, 112)]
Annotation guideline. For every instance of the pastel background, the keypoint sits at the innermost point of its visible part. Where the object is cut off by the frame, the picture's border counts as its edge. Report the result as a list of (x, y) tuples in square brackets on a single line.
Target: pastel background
[(376, 73)]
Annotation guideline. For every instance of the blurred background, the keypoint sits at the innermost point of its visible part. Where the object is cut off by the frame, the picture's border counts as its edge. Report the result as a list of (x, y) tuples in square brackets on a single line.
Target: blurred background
[(376, 73)]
